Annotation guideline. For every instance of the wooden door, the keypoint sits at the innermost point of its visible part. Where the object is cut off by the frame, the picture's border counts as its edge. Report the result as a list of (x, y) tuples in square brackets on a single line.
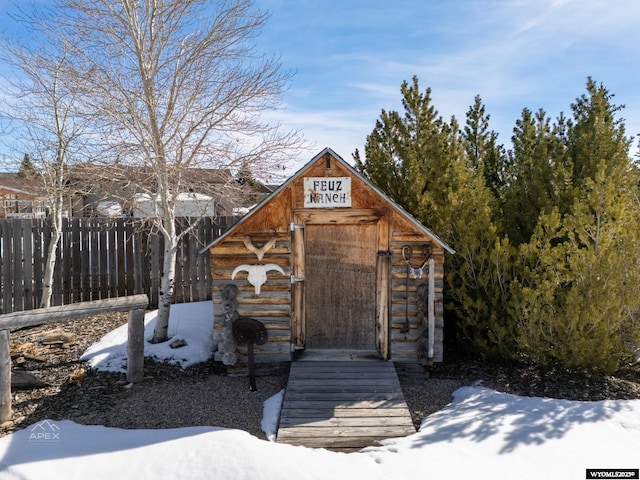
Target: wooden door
[(340, 286)]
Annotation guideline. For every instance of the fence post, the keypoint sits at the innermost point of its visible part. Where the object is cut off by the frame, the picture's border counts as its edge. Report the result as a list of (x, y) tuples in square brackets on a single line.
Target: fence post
[(135, 346), (5, 377), (135, 304)]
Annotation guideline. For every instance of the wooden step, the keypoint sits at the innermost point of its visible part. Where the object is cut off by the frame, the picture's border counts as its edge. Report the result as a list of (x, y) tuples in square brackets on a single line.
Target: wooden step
[(343, 405)]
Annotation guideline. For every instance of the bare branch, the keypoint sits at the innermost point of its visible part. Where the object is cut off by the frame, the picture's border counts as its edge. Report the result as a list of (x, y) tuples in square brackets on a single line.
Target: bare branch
[(160, 90)]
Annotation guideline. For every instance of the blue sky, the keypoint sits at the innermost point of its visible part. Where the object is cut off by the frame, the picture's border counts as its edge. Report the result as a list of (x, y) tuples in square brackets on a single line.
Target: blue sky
[(351, 56)]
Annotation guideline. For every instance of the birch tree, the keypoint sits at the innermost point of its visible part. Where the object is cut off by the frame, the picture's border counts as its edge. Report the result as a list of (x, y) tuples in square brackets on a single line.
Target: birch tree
[(43, 121), (171, 86)]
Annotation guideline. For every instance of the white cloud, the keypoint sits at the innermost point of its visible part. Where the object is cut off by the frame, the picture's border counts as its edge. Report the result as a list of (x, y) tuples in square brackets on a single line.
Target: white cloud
[(534, 54)]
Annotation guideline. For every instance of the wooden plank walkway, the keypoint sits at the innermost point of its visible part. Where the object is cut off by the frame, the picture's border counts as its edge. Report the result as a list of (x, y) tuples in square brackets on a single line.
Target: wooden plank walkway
[(343, 405)]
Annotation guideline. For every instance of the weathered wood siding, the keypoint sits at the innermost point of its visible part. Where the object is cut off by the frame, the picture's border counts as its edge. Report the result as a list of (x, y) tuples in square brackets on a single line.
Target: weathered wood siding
[(404, 344), (272, 307), (283, 306), (362, 197)]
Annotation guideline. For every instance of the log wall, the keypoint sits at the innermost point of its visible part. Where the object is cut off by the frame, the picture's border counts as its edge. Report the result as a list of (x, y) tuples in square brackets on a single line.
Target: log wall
[(404, 345), (272, 307)]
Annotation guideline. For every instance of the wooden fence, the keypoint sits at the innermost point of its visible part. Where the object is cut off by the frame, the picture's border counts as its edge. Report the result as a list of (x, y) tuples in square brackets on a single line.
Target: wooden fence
[(101, 258)]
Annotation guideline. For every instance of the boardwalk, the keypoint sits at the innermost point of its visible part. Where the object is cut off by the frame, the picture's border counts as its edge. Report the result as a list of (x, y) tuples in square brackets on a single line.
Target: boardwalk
[(343, 405)]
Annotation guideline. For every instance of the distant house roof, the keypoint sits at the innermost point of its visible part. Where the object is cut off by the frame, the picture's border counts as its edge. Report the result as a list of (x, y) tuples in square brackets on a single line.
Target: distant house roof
[(117, 173), (19, 184)]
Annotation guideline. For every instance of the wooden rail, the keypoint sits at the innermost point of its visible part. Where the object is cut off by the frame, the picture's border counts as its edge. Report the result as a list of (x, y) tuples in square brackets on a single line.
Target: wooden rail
[(135, 304)]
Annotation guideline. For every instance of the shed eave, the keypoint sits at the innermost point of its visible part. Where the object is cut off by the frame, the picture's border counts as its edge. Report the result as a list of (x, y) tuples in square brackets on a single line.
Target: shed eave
[(253, 211), (353, 171)]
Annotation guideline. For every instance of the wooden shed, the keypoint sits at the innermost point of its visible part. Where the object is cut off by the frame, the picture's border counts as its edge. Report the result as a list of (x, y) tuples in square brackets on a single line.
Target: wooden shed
[(328, 263)]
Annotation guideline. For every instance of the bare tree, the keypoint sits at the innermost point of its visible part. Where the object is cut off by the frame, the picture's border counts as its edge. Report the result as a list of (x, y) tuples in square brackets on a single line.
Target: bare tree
[(174, 85), (42, 113)]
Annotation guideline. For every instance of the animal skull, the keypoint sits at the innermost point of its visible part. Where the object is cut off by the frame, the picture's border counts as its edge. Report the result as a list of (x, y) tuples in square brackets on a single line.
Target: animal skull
[(256, 274)]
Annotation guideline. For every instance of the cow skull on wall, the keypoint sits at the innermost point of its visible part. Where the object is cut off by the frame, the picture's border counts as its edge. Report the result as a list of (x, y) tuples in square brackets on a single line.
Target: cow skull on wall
[(256, 274)]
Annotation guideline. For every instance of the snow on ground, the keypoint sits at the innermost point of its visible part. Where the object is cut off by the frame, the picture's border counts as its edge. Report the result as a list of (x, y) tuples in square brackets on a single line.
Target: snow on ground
[(482, 434), (191, 322)]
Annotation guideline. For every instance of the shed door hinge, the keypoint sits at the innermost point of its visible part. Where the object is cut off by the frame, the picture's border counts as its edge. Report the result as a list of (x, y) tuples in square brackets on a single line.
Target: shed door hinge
[(296, 226), (295, 279)]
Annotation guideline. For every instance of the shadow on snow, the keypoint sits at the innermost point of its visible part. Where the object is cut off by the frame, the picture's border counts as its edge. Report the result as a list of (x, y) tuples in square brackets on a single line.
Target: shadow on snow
[(520, 421)]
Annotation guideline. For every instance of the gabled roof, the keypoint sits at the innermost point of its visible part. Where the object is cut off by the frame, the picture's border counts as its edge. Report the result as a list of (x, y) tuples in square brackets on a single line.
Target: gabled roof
[(355, 173)]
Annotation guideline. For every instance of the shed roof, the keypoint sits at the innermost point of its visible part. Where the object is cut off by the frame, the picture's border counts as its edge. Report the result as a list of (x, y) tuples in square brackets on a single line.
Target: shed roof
[(353, 171)]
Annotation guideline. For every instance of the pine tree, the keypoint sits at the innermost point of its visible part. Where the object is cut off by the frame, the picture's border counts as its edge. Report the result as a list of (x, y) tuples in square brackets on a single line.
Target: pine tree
[(577, 294), (597, 140), (421, 162), (27, 169), (530, 187), (400, 152), (482, 148)]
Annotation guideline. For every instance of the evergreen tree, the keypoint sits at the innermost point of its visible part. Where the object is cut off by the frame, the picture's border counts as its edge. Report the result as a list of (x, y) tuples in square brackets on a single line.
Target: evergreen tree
[(530, 186), (577, 294), (597, 140), (482, 148), (401, 152), (483, 153), (244, 177), (27, 169), (420, 162), (477, 277)]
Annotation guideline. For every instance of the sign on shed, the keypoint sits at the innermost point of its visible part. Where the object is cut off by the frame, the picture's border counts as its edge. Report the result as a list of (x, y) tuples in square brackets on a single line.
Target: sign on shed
[(322, 192)]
